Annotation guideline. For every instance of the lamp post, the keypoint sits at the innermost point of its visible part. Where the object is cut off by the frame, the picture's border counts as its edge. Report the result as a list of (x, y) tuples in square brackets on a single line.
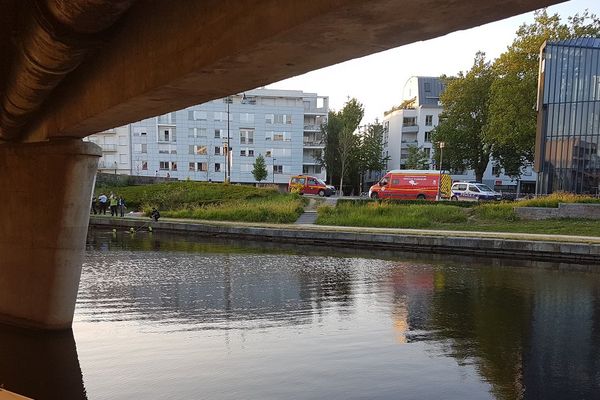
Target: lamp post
[(274, 159), (441, 144), (228, 100)]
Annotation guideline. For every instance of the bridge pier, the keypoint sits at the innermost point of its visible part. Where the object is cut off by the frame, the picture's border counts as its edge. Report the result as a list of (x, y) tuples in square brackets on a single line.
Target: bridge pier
[(45, 197)]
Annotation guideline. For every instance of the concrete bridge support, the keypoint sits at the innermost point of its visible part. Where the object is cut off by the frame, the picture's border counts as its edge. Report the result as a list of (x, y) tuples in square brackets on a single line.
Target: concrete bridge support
[(45, 192)]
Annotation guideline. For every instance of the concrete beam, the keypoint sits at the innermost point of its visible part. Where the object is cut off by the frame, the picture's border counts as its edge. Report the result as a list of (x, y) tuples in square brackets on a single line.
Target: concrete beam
[(46, 194), (166, 55)]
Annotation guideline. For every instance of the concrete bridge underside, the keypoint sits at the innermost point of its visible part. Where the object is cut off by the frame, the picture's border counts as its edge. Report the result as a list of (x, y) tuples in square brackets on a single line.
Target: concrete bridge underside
[(70, 68)]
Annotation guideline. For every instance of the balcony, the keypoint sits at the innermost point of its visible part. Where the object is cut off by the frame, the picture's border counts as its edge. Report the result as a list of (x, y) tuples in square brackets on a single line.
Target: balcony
[(410, 128), (310, 161), (313, 143), (312, 127), (407, 143), (108, 148)]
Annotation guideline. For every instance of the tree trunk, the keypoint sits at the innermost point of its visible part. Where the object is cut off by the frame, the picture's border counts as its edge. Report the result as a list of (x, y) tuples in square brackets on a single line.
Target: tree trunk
[(342, 180)]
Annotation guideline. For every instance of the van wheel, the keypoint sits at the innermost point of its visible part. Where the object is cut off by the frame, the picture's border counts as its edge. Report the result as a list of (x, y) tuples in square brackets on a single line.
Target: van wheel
[(453, 198), (421, 197), (374, 195), (321, 193)]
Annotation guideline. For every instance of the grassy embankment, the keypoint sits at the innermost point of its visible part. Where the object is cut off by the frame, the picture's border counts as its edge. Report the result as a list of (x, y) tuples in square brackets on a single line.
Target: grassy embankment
[(491, 217), (198, 200)]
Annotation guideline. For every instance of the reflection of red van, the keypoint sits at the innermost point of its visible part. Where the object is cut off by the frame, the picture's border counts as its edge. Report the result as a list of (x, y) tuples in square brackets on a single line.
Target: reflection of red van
[(407, 184), (305, 184)]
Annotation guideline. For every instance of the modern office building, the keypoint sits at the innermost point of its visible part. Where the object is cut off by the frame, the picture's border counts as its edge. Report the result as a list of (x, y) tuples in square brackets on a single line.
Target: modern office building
[(567, 151), (282, 125), (412, 123)]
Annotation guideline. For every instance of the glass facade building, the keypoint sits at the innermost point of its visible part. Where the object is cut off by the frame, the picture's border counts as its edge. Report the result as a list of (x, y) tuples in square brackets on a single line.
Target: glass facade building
[(567, 153)]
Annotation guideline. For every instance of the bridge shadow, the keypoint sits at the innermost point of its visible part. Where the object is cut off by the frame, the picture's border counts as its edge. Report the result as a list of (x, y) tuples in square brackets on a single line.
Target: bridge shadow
[(40, 365)]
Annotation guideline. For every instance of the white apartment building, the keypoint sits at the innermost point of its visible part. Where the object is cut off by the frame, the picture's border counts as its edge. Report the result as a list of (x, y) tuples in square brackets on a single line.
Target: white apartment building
[(412, 125), (282, 125)]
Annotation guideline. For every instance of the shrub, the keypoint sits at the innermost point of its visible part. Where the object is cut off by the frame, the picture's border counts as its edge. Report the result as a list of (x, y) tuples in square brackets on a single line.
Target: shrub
[(496, 212), (553, 199)]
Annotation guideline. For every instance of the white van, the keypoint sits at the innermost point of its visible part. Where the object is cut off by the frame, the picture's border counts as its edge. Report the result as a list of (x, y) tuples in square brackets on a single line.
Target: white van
[(467, 191)]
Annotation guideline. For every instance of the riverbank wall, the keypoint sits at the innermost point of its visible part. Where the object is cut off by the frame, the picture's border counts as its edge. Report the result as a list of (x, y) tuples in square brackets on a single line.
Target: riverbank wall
[(571, 249)]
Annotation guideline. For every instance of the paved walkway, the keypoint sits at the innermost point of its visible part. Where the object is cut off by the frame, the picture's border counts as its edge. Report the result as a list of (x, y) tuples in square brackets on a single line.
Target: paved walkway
[(309, 216)]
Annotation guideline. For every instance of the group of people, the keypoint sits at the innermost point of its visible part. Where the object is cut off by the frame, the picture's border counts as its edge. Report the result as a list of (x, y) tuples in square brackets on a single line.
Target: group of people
[(103, 202)]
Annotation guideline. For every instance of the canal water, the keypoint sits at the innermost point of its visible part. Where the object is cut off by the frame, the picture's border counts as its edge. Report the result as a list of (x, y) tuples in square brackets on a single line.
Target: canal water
[(173, 317)]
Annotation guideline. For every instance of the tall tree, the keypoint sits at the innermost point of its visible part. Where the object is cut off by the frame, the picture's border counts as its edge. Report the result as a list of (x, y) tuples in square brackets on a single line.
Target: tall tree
[(512, 108), (465, 102), (371, 148), (260, 169), (417, 158), (340, 139)]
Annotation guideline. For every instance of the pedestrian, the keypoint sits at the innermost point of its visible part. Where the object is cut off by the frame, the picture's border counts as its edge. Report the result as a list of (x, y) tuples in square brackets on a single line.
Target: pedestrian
[(155, 173), (121, 205), (155, 215), (113, 205), (103, 202), (94, 205)]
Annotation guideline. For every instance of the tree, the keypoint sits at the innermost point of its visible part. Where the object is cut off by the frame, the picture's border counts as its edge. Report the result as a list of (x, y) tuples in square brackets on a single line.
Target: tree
[(465, 114), (512, 108), (417, 158), (341, 143), (260, 169)]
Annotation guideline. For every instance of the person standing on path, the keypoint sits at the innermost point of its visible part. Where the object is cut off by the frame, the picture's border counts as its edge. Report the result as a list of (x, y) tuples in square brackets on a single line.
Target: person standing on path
[(94, 205), (121, 205), (103, 201), (113, 205)]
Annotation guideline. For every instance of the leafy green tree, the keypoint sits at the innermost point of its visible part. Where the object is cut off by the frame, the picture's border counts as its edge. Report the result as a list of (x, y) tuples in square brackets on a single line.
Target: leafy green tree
[(512, 113), (465, 114), (260, 169), (371, 148), (341, 143), (417, 158)]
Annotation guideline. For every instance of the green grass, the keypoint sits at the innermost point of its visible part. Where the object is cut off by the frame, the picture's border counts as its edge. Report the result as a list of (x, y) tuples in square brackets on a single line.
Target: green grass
[(211, 201), (279, 209), (487, 217), (555, 198), (390, 215)]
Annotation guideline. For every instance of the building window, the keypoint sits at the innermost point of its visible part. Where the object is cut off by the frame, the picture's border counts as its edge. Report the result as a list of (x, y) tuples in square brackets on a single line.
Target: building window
[(166, 134), (243, 153), (144, 165), (197, 115), (217, 167), (409, 121), (269, 118), (217, 151), (167, 149), (168, 118), (163, 165), (140, 148), (192, 166), (278, 169), (428, 136), (246, 136), (246, 118), (250, 152), (496, 170), (197, 133), (427, 87), (268, 153), (278, 136), (429, 120), (222, 116), (198, 150), (139, 131), (218, 133)]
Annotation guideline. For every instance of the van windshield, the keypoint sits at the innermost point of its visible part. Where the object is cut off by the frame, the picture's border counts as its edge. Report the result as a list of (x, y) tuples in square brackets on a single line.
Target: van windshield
[(484, 188)]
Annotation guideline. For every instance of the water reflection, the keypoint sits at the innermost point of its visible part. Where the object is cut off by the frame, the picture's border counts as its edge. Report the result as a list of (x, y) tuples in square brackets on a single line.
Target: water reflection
[(40, 365), (177, 316)]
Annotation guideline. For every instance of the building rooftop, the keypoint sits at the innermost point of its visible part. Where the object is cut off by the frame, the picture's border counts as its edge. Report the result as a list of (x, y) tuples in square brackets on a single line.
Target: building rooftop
[(578, 42)]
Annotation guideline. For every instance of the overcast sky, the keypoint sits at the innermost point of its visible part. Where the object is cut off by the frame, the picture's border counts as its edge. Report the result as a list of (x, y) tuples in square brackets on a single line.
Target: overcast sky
[(377, 80)]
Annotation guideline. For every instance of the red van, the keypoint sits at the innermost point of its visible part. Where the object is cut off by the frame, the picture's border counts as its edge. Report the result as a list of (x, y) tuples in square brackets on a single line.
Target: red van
[(305, 184), (407, 184)]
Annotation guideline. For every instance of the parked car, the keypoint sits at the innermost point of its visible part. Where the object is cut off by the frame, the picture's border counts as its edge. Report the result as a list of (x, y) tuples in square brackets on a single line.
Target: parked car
[(467, 191), (306, 184)]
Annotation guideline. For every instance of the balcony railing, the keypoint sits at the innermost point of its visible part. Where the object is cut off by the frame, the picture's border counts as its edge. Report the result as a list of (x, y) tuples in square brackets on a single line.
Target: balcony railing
[(410, 128), (312, 127), (315, 143), (109, 147)]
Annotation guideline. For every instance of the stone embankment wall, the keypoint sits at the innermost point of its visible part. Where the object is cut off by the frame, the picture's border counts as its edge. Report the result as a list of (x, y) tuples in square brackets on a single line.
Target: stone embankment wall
[(564, 210)]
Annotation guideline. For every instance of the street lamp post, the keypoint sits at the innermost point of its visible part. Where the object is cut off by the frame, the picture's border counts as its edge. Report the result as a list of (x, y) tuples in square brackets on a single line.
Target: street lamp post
[(441, 144), (274, 159)]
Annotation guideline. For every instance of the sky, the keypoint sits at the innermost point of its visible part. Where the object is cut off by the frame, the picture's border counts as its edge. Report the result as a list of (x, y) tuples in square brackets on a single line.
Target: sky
[(383, 75)]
